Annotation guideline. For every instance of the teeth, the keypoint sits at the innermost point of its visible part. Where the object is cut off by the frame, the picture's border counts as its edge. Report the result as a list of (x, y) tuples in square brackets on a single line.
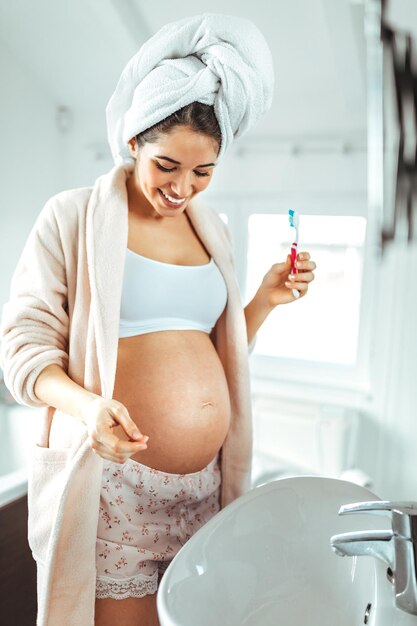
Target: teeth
[(174, 200)]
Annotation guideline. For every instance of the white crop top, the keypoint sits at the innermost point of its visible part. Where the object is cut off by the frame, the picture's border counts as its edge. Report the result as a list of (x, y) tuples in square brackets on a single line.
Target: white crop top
[(163, 296)]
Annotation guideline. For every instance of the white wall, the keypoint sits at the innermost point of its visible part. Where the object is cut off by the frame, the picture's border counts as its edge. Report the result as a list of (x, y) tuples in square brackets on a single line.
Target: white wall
[(263, 171), (88, 153), (30, 155)]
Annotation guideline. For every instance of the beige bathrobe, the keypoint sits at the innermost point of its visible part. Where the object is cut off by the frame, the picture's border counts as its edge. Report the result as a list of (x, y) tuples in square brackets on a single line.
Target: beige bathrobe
[(64, 308)]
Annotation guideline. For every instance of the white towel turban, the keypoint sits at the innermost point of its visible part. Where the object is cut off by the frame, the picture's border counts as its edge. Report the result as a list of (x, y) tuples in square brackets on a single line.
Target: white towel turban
[(215, 59)]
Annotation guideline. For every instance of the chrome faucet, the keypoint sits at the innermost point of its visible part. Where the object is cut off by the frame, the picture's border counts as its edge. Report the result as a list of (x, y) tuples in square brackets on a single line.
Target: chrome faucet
[(396, 547)]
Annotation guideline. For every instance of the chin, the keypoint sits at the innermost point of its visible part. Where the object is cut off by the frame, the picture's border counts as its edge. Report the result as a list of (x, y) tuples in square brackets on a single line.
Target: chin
[(171, 213)]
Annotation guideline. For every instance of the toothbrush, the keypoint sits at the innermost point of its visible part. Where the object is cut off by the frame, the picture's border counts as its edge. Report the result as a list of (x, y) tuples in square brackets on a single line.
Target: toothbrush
[(294, 220)]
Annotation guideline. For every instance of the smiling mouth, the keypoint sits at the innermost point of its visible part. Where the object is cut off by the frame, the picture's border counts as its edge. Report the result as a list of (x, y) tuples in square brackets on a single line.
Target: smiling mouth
[(171, 201)]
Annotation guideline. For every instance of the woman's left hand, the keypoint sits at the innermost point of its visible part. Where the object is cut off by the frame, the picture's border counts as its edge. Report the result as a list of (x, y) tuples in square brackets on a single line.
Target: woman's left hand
[(277, 286)]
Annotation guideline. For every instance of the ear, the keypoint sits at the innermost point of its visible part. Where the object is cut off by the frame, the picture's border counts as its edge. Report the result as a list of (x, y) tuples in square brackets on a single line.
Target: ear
[(133, 148)]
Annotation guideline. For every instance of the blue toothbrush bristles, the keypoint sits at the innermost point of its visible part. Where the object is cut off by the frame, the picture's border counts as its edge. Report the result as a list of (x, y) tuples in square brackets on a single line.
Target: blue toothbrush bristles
[(293, 218)]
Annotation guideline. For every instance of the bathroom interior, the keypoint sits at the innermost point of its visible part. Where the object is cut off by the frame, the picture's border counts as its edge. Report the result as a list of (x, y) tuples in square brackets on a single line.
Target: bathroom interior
[(333, 376)]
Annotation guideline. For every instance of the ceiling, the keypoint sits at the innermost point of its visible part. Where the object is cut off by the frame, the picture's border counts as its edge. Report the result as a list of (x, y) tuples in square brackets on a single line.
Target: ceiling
[(78, 49)]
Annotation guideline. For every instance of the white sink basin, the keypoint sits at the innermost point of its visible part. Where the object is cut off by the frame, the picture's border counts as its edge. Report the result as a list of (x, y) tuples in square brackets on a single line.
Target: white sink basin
[(266, 560)]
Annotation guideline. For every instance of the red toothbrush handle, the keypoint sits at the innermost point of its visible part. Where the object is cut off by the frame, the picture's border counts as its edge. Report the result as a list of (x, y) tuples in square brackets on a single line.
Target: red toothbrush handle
[(293, 258)]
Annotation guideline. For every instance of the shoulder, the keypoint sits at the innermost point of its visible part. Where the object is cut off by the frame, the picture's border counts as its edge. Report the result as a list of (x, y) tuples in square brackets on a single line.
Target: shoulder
[(63, 214), (210, 221), (66, 205), (212, 214), (218, 223), (205, 211), (61, 220)]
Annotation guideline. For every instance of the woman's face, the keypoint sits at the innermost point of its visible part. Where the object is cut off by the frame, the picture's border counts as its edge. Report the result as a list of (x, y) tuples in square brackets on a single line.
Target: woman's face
[(179, 165)]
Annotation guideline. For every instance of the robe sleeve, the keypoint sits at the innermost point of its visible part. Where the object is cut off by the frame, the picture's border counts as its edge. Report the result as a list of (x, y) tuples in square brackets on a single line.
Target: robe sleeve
[(35, 324)]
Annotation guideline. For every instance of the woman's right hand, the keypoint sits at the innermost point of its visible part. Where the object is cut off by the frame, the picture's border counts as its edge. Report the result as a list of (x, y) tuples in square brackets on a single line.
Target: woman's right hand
[(101, 415)]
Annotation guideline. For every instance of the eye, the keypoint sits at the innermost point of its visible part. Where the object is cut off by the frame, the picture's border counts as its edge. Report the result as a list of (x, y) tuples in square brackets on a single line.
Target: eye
[(166, 169), (201, 173)]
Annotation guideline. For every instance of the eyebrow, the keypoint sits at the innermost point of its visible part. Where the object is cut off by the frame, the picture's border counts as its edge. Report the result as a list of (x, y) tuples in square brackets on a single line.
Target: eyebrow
[(166, 158)]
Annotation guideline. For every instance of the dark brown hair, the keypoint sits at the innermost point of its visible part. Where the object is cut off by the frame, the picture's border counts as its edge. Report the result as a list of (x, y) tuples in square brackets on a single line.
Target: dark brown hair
[(198, 116)]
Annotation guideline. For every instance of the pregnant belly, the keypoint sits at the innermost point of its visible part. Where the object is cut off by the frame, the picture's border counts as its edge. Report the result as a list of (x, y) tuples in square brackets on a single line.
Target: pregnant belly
[(174, 387)]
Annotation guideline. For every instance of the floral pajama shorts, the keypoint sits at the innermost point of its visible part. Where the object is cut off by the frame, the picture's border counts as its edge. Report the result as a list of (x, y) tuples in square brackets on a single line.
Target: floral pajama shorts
[(146, 516)]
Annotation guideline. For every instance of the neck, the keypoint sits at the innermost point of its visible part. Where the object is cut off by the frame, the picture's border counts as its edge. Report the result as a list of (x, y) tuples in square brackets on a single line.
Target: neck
[(138, 205)]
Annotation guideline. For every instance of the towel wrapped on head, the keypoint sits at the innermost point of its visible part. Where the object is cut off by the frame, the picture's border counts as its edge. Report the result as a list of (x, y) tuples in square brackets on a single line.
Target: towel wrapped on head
[(215, 59)]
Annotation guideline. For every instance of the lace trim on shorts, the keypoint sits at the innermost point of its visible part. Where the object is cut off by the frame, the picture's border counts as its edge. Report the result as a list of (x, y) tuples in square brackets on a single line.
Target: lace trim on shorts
[(118, 589)]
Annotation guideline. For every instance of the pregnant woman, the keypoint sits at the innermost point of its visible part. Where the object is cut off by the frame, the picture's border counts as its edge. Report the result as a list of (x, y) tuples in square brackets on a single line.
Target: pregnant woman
[(125, 324)]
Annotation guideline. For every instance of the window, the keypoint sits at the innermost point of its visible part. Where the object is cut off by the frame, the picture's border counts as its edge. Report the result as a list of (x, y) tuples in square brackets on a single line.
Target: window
[(323, 327), (323, 341)]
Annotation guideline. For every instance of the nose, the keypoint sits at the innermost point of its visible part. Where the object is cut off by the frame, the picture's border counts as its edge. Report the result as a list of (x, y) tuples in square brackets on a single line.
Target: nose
[(181, 185)]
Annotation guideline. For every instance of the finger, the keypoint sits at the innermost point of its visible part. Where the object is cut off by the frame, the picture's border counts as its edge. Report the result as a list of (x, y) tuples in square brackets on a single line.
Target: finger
[(302, 277), (106, 442), (129, 426), (303, 256), (102, 435), (124, 448), (279, 268), (109, 457), (305, 265), (301, 287), (128, 447)]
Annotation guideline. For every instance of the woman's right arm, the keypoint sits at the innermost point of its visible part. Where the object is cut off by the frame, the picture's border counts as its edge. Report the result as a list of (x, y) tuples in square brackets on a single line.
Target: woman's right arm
[(35, 322), (55, 388), (34, 336)]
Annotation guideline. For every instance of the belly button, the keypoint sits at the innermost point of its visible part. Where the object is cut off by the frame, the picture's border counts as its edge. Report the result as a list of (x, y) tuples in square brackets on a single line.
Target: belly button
[(209, 409)]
